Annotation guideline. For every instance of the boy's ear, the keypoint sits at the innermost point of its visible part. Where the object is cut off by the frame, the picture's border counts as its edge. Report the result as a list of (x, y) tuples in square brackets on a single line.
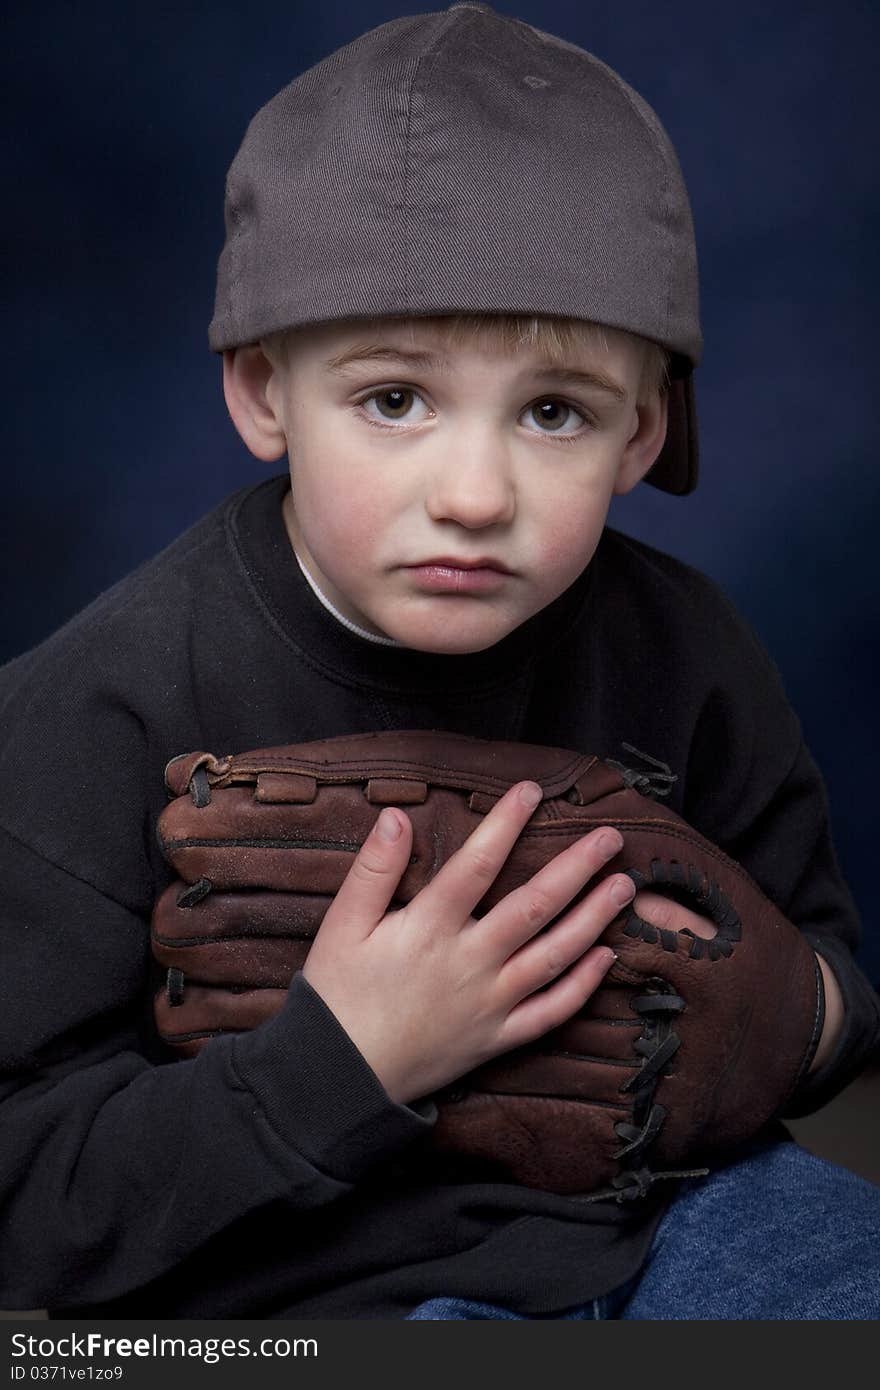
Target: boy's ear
[(644, 444), (247, 372)]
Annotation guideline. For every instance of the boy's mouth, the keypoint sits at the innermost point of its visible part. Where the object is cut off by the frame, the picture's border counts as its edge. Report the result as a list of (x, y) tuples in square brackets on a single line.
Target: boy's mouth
[(452, 562), (449, 575)]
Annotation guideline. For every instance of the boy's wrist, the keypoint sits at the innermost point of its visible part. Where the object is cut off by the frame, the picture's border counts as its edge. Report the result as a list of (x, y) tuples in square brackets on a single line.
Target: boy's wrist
[(834, 1012)]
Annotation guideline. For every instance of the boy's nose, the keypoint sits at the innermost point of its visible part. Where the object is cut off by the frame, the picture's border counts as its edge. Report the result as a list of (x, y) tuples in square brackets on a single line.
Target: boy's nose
[(472, 485)]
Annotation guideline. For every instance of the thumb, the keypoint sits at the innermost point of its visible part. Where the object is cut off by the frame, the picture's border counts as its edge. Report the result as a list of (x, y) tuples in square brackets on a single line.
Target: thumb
[(369, 885)]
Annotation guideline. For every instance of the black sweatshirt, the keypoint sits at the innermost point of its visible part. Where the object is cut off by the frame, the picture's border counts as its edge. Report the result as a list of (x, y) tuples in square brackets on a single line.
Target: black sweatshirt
[(272, 1176)]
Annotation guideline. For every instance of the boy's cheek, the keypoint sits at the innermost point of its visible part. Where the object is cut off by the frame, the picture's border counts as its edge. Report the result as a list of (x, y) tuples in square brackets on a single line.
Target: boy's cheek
[(354, 548), (338, 519), (568, 541)]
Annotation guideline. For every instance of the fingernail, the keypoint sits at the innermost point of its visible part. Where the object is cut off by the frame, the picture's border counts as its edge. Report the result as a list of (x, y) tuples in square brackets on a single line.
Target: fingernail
[(622, 890), (388, 826), (530, 794), (607, 957), (610, 841)]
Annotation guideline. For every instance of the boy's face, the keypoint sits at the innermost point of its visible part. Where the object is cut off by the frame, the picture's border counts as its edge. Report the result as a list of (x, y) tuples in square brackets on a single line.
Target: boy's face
[(443, 500)]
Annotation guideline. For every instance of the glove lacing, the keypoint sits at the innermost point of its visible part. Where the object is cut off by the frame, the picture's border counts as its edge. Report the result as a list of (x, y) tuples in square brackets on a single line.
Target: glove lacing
[(656, 784), (656, 1045)]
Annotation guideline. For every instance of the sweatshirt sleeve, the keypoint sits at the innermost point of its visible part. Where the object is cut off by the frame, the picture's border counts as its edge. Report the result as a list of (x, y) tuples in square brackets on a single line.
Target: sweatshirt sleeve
[(755, 789), (113, 1168), (816, 899)]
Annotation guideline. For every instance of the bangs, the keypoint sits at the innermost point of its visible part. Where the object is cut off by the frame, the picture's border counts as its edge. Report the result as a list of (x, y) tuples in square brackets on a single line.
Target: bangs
[(557, 340)]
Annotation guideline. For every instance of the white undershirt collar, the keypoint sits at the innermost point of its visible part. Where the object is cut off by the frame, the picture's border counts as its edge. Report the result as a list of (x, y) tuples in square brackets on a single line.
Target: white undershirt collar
[(346, 622)]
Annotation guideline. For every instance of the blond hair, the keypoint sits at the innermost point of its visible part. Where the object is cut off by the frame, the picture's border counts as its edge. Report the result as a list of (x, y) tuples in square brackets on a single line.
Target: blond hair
[(556, 339)]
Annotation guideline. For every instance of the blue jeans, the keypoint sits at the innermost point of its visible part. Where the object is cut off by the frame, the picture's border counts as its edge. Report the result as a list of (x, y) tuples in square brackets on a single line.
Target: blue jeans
[(779, 1234)]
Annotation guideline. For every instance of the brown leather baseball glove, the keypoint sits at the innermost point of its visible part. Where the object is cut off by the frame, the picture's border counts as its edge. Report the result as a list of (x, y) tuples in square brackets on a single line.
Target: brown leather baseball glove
[(687, 1047)]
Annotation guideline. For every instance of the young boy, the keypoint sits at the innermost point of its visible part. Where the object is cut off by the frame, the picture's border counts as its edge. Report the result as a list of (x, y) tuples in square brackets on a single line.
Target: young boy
[(459, 264)]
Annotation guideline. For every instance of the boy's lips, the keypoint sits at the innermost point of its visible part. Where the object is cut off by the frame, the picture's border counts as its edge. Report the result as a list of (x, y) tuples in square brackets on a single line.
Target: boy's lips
[(452, 562), (451, 575)]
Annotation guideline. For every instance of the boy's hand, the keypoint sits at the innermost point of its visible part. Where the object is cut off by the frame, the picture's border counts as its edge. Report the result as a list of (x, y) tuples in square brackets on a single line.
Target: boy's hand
[(428, 992), (666, 912)]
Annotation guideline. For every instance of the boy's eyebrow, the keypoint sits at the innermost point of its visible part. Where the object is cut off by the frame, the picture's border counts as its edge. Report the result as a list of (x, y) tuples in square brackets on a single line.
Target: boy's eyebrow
[(416, 357), (595, 379)]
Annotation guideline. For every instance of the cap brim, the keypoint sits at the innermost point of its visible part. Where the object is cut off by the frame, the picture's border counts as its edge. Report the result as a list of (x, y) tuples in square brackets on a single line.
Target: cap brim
[(676, 468)]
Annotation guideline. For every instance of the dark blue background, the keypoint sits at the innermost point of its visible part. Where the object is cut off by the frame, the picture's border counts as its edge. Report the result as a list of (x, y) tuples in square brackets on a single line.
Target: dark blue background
[(124, 120)]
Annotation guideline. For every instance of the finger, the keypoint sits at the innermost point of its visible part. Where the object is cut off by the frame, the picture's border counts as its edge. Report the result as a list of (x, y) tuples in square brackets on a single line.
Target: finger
[(368, 887), (469, 873), (527, 909), (673, 916), (548, 955), (551, 1007)]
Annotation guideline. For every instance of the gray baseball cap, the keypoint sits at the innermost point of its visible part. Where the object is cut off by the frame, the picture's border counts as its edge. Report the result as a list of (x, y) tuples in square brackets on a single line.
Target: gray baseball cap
[(465, 162)]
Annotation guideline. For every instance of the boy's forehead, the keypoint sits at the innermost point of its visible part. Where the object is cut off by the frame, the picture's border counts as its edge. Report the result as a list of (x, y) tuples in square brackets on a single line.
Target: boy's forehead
[(340, 348)]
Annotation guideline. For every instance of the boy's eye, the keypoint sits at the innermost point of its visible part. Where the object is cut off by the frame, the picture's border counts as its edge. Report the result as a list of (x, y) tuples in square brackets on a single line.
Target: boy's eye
[(553, 413), (393, 403)]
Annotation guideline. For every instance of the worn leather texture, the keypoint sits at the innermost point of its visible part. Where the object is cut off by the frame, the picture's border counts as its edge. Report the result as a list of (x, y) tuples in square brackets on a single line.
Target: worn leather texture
[(683, 1051)]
